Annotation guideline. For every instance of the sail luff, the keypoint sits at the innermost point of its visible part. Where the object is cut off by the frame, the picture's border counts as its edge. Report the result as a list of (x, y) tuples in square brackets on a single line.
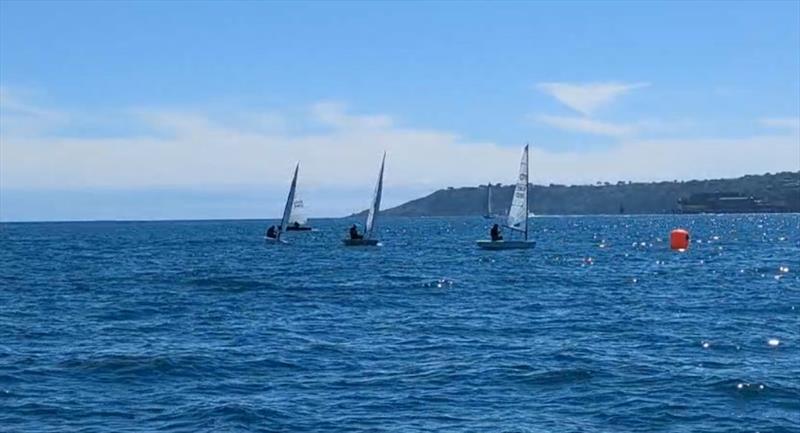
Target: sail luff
[(517, 213), (287, 210), (527, 180), (376, 202)]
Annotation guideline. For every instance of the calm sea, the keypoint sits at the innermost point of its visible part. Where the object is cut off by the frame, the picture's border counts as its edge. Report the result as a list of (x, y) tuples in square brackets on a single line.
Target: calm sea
[(201, 326)]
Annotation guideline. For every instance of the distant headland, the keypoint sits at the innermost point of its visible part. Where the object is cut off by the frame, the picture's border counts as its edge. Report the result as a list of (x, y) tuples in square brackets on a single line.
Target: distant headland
[(779, 192)]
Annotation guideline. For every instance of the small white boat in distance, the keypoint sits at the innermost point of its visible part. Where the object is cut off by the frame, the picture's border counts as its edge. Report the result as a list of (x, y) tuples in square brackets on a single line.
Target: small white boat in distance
[(517, 214), (287, 210), (489, 215), (298, 222), (367, 240)]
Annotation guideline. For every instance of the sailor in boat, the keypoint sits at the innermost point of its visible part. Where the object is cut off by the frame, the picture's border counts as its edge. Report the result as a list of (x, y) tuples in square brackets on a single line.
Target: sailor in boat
[(296, 225), (272, 232), (495, 233), (354, 233)]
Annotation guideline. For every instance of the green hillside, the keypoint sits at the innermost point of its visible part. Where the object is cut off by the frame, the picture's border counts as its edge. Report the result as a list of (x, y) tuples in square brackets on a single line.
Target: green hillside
[(778, 192)]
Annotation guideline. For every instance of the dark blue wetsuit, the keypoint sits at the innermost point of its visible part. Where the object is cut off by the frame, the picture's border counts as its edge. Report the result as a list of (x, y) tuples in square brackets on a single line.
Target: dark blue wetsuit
[(495, 233), (354, 233)]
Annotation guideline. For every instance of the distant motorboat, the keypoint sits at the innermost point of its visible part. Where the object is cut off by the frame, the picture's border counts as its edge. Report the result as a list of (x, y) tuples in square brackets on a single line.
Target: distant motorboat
[(517, 214), (369, 228)]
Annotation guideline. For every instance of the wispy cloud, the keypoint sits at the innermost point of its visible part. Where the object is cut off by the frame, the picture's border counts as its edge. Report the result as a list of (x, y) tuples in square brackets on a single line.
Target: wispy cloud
[(586, 98), (11, 104), (792, 123), (18, 115), (335, 114), (586, 125)]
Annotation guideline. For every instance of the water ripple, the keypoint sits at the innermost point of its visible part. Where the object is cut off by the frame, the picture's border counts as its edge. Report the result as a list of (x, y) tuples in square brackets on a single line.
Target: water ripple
[(201, 326)]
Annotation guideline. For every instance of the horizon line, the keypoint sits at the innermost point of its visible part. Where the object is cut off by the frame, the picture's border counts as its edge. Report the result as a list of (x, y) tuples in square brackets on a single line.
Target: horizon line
[(631, 215)]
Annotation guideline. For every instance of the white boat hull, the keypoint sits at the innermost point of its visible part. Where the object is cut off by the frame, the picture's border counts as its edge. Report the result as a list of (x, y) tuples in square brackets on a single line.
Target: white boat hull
[(274, 240), (360, 242), (506, 245)]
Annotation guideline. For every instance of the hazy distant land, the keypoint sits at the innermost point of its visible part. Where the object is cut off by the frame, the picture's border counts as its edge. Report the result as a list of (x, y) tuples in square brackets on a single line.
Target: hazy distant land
[(778, 192)]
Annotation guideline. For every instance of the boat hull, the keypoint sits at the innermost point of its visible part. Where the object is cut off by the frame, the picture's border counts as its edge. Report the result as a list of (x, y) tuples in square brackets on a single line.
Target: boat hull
[(506, 245), (360, 242), (298, 229), (274, 240)]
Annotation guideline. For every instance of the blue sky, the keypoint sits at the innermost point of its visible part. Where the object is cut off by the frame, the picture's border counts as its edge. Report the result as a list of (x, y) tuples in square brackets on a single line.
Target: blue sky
[(121, 105)]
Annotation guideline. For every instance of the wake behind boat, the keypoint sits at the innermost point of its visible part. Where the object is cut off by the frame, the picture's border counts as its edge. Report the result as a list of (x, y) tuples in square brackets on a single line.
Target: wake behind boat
[(275, 240), (517, 215), (356, 240)]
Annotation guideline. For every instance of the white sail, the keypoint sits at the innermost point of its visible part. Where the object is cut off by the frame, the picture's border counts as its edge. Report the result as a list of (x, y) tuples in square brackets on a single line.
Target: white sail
[(287, 211), (376, 201), (518, 213), (298, 213)]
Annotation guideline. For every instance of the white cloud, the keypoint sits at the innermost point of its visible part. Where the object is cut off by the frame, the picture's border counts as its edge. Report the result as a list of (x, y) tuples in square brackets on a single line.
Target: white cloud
[(19, 116), (196, 149), (586, 98), (334, 114), (668, 159), (586, 125), (199, 150), (792, 123)]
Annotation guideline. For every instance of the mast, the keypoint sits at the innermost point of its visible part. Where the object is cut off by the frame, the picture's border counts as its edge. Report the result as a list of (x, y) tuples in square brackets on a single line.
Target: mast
[(527, 182)]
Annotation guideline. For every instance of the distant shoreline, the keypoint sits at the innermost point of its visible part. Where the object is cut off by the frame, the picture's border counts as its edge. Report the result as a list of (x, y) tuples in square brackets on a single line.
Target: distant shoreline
[(642, 215), (602, 199), (767, 193)]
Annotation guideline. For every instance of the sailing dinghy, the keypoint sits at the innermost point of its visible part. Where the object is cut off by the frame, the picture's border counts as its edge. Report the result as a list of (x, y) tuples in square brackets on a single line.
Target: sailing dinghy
[(287, 210), (372, 216), (517, 214)]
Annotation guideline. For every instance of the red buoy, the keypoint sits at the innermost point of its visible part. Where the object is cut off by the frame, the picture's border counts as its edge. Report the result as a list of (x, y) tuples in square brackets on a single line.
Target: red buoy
[(679, 239)]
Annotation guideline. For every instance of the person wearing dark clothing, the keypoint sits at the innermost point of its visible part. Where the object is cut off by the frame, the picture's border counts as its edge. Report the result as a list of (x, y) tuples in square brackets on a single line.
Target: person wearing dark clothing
[(354, 233), (272, 232), (495, 233), (296, 225)]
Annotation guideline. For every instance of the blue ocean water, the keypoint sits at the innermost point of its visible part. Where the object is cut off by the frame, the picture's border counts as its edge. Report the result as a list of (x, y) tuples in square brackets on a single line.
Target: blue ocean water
[(202, 326)]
